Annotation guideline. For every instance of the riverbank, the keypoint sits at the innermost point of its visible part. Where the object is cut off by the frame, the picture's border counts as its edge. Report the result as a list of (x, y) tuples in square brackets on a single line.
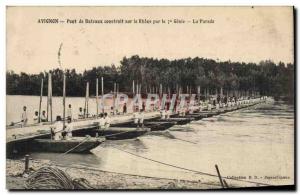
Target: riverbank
[(15, 178)]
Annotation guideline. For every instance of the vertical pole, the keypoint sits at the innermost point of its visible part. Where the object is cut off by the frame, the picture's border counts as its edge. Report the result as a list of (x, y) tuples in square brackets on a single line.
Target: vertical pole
[(41, 97), (198, 93), (48, 97), (51, 119), (87, 98), (97, 98), (64, 99), (160, 90), (140, 88), (26, 163), (133, 87), (102, 94), (84, 110), (114, 102)]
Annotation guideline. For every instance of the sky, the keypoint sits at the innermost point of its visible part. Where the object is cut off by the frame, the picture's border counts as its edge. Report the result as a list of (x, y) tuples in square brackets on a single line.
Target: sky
[(244, 34)]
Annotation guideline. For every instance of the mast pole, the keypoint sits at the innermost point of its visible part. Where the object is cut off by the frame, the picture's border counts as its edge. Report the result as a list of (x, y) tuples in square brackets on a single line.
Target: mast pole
[(114, 102), (97, 98), (87, 98), (41, 97), (102, 94), (64, 99)]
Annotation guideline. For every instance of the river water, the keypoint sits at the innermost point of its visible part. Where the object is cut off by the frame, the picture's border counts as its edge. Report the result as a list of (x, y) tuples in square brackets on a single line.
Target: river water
[(256, 144), (15, 105)]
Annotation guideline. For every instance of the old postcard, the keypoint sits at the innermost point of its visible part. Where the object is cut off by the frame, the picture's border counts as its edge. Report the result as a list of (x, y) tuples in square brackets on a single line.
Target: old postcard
[(152, 98)]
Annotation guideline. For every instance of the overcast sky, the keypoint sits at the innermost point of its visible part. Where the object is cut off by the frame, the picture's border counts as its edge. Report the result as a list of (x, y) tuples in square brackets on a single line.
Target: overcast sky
[(237, 34)]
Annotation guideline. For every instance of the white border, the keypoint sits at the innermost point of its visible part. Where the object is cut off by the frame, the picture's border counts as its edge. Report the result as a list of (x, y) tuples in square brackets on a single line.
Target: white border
[(4, 3)]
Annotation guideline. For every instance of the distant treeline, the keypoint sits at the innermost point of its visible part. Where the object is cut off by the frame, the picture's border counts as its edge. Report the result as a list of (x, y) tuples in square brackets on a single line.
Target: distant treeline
[(267, 78)]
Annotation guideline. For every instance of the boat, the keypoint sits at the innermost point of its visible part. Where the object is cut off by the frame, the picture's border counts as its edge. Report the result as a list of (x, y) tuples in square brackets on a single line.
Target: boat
[(120, 133), (153, 125), (209, 113), (74, 145), (197, 115), (114, 133), (160, 125), (179, 121)]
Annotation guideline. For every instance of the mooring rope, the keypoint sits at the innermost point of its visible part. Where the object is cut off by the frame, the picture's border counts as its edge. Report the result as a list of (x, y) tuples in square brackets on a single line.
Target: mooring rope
[(53, 178), (186, 169), (83, 141)]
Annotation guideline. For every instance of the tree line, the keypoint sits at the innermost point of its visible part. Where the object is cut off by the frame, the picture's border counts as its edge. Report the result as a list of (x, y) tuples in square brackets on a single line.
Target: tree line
[(266, 77)]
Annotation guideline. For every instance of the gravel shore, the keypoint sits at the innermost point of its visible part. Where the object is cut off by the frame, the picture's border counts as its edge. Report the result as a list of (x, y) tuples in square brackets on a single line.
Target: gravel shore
[(15, 178)]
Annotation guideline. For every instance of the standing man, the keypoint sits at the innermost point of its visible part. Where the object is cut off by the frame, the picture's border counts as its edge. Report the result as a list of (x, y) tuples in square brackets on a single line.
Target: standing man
[(24, 118), (101, 122), (106, 121), (80, 114), (124, 108), (57, 128), (69, 112), (69, 128), (141, 118)]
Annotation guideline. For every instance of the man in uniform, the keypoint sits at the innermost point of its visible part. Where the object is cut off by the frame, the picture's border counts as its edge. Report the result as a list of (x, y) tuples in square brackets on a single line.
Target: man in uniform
[(107, 120), (69, 129), (101, 122), (36, 117), (69, 112), (57, 128), (24, 118), (80, 114)]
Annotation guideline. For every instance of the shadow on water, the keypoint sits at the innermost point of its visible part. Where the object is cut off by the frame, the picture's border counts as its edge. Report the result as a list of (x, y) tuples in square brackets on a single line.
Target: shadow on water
[(165, 134)]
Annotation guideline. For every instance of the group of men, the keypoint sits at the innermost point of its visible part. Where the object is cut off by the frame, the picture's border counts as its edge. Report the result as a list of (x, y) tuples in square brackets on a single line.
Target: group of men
[(60, 132), (36, 117), (104, 121), (39, 118)]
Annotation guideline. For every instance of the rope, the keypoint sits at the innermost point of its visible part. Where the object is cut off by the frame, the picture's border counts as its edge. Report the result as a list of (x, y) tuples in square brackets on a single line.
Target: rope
[(186, 169), (54, 178), (86, 139)]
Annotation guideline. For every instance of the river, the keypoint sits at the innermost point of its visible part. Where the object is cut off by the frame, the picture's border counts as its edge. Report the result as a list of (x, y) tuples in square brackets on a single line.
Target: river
[(256, 143)]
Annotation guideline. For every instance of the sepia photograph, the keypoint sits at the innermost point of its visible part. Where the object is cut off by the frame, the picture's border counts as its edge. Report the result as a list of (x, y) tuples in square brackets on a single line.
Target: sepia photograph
[(150, 98)]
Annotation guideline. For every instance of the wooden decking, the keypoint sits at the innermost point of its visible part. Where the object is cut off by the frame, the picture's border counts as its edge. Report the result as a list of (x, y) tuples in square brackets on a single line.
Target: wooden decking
[(32, 131)]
